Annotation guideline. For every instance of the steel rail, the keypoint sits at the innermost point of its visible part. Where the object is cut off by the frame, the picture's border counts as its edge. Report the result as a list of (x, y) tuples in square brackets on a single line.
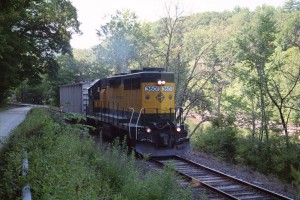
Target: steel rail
[(217, 174)]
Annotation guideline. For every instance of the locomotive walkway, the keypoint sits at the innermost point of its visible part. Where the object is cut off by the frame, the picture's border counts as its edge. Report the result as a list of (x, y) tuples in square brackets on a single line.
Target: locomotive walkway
[(10, 119)]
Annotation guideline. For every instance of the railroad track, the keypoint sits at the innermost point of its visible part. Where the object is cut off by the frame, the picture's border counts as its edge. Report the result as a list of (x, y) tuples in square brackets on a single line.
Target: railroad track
[(224, 185)]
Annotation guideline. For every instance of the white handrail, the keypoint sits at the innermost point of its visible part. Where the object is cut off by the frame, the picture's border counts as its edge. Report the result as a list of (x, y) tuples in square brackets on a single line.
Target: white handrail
[(138, 122), (130, 122)]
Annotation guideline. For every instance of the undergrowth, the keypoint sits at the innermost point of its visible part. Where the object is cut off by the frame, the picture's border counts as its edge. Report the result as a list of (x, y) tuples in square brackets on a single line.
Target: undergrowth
[(64, 164), (270, 157)]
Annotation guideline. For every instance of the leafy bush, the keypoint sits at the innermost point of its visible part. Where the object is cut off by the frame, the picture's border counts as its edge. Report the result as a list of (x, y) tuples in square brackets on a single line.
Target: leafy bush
[(64, 164), (218, 139), (219, 142), (269, 157)]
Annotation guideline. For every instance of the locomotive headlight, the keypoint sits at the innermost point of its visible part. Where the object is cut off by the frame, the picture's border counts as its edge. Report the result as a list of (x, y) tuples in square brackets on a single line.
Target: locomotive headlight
[(160, 82), (148, 130), (178, 129)]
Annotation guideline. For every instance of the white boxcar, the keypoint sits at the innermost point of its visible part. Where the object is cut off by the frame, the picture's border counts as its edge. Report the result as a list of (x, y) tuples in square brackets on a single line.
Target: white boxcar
[(74, 97)]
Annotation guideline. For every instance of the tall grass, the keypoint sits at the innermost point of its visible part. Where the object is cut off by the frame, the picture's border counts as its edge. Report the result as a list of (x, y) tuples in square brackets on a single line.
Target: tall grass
[(64, 164)]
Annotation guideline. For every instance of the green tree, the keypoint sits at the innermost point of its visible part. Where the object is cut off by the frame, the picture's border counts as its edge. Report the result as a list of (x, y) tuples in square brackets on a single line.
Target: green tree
[(292, 5), (207, 55), (121, 40), (172, 28), (31, 34), (256, 46), (83, 67), (282, 84), (289, 24)]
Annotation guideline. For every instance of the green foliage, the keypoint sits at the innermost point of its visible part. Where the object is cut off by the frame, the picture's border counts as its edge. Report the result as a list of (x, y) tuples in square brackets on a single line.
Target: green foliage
[(64, 164), (269, 157), (223, 121), (290, 28), (75, 118), (80, 68), (292, 5), (218, 139), (83, 66), (257, 45), (31, 33), (122, 39)]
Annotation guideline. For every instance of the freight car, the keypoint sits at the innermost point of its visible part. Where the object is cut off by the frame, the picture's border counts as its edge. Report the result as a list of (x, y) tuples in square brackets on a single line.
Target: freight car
[(141, 106), (75, 98)]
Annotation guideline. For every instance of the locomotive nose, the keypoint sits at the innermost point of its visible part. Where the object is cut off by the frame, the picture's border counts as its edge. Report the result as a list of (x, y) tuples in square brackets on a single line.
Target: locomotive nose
[(163, 140)]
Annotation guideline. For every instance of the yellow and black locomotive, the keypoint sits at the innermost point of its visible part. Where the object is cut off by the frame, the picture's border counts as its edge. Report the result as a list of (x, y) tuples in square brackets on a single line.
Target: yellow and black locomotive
[(140, 105)]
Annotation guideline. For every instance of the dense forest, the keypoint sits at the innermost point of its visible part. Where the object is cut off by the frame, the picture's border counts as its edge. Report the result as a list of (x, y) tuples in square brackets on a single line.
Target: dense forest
[(237, 69)]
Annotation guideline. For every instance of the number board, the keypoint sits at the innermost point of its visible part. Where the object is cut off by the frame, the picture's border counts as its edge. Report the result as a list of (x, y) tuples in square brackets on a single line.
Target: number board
[(167, 88), (151, 88)]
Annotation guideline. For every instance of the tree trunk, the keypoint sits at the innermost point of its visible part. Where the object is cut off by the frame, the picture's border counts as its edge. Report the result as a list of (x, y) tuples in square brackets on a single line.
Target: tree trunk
[(167, 63), (284, 125), (1, 97), (264, 120), (197, 126), (253, 118), (219, 90), (261, 116)]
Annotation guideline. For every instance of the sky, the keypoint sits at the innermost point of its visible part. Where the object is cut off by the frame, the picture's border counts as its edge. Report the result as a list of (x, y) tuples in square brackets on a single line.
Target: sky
[(92, 13)]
